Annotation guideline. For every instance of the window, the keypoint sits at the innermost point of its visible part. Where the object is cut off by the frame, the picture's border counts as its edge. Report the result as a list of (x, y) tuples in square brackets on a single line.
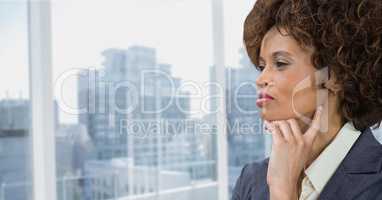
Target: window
[(378, 134), (133, 93), (15, 106), (246, 141), (136, 111)]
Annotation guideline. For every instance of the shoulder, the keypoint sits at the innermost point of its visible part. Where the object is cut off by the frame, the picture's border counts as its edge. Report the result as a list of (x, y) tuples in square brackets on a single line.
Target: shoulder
[(255, 169), (253, 176)]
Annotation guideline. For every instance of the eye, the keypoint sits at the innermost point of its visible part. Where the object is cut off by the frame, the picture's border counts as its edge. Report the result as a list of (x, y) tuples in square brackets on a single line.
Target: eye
[(260, 68), (281, 64)]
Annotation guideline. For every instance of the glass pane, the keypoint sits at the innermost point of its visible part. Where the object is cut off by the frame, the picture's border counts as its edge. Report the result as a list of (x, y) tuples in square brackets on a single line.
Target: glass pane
[(246, 139), (378, 134), (132, 91), (15, 156)]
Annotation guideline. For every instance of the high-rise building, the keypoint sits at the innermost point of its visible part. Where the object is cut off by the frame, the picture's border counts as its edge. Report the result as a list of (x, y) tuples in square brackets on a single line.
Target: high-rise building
[(121, 179), (15, 148), (15, 155), (73, 148), (135, 108)]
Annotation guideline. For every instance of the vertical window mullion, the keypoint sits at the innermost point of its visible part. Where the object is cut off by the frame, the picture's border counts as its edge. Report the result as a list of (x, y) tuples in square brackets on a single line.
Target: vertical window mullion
[(41, 89), (221, 119)]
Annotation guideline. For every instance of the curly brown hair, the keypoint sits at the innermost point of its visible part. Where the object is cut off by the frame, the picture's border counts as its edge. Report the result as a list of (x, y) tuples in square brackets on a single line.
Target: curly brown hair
[(347, 36)]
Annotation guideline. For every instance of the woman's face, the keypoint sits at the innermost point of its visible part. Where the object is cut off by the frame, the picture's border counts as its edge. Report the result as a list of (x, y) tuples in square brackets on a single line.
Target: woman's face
[(284, 66)]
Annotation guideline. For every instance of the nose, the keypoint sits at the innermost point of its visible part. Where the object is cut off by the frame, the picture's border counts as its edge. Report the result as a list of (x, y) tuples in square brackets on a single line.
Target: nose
[(264, 78)]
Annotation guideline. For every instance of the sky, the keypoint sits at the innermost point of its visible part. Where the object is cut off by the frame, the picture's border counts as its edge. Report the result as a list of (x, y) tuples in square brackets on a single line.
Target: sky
[(13, 50), (180, 30)]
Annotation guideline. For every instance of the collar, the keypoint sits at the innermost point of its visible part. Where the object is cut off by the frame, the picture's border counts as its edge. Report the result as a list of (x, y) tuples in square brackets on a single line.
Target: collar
[(360, 169), (324, 166)]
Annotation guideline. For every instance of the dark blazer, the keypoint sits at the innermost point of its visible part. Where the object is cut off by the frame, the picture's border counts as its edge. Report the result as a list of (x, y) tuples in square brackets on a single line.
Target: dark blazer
[(358, 177)]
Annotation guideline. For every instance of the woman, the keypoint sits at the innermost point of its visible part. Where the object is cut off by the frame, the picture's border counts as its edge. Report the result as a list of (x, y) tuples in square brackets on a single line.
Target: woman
[(320, 92)]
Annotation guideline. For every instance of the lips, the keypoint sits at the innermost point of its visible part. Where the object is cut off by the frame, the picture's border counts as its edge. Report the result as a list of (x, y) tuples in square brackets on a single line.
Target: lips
[(264, 95), (263, 99)]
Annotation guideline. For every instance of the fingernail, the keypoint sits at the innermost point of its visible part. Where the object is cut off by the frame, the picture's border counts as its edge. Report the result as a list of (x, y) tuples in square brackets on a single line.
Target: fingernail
[(266, 124)]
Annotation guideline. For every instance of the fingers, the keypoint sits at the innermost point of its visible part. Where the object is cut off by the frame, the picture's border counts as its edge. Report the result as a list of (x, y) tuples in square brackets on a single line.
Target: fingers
[(315, 126), (289, 130), (276, 133), (266, 126), (296, 130), (286, 130)]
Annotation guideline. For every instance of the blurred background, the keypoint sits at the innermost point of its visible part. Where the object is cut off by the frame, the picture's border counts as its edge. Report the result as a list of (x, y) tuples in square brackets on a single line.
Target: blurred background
[(137, 92)]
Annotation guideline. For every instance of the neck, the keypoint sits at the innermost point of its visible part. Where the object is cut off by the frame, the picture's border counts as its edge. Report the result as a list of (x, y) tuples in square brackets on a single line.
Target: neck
[(333, 121)]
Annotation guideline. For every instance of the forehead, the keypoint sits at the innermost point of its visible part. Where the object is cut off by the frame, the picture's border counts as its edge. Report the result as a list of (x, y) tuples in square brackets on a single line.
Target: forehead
[(274, 41)]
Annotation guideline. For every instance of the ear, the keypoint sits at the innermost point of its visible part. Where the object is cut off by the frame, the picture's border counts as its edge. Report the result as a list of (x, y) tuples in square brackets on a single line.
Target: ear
[(332, 84)]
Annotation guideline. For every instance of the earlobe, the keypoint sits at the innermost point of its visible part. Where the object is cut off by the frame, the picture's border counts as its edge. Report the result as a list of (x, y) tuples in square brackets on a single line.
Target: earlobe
[(332, 84), (332, 87)]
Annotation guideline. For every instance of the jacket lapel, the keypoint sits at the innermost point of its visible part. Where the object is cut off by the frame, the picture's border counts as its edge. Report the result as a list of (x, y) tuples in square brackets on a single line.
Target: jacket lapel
[(359, 169)]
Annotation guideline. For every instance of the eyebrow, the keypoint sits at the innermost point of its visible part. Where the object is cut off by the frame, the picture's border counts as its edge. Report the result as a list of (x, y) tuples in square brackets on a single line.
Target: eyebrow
[(281, 53), (277, 54)]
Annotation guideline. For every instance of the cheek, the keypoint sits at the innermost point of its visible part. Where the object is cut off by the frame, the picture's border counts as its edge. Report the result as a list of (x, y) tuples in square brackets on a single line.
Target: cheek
[(304, 102), (291, 102), (299, 97)]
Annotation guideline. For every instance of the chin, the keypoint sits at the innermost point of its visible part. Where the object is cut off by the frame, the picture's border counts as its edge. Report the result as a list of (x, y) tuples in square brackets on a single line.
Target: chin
[(274, 116), (266, 116)]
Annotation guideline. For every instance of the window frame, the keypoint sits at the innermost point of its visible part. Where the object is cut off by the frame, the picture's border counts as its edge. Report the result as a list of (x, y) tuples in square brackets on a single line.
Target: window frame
[(42, 106), (41, 95)]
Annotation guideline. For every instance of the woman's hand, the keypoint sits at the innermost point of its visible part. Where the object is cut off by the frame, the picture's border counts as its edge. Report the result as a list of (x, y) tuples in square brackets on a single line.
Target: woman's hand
[(290, 151)]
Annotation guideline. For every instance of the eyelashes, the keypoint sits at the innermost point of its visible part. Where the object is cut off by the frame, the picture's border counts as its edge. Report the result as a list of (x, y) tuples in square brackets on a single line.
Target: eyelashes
[(279, 66), (260, 68)]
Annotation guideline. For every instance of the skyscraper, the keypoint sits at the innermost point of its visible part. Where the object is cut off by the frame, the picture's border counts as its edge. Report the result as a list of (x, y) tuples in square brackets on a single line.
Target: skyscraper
[(135, 109), (15, 148)]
